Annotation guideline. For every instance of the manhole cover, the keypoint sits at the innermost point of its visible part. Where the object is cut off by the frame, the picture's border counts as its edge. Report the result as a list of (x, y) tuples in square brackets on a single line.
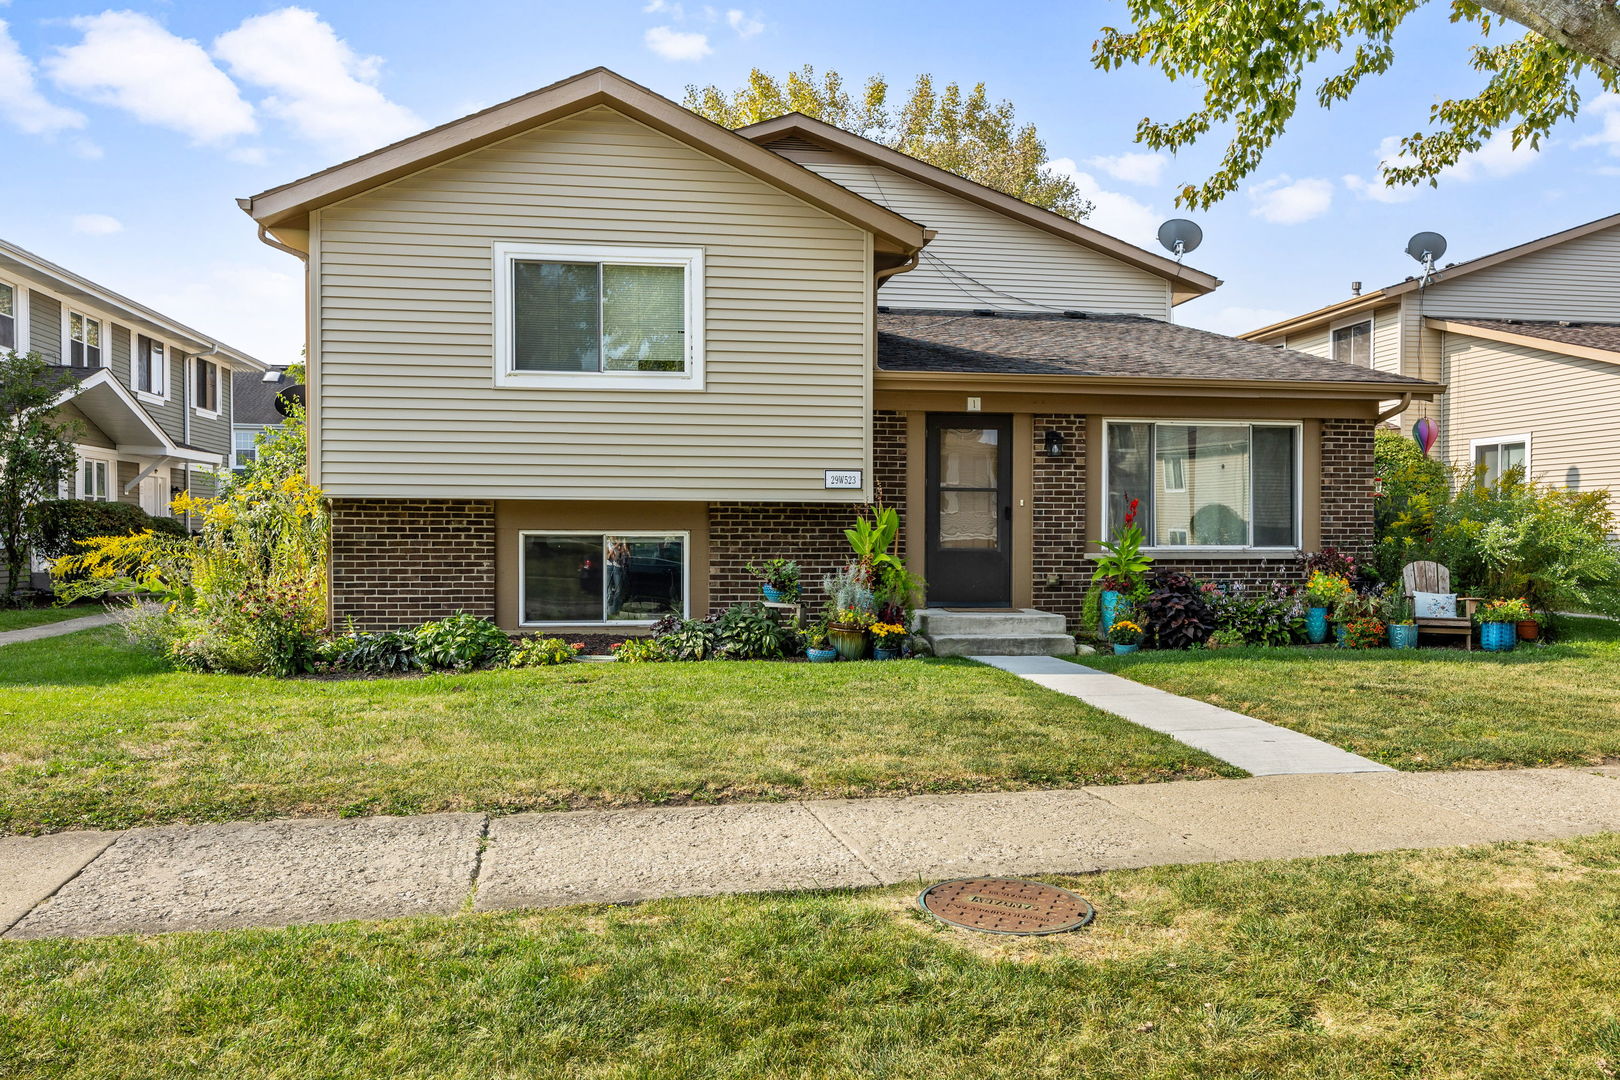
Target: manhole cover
[(1006, 906)]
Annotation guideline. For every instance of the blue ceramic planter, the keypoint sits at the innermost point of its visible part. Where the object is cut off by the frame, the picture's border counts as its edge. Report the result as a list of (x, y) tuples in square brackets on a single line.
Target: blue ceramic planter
[(885, 654), (772, 593), (1316, 624), (1109, 608), (1121, 650), (1340, 631), (1498, 636), (821, 656), (1402, 636)]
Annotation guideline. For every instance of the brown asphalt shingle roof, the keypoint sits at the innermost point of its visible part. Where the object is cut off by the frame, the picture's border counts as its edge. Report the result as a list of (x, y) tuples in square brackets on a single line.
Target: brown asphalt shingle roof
[(1593, 335), (1097, 345), (253, 401)]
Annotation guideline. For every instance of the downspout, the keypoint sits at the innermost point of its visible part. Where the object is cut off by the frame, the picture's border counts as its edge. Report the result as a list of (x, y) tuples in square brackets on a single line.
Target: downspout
[(266, 238), (1394, 410), (910, 264)]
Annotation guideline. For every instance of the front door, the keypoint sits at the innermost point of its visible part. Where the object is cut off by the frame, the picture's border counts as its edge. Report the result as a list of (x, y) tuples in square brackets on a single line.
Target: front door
[(969, 510)]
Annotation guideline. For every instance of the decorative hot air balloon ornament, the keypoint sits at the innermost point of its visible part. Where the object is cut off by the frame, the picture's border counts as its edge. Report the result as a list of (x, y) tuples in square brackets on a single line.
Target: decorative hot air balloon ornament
[(1424, 433)]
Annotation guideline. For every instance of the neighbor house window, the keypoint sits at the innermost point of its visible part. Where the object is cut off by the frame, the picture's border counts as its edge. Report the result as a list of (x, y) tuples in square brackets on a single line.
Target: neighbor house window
[(1205, 484), (244, 446), (1353, 343), (598, 316), (95, 480), (207, 373), (84, 340), (8, 316), (597, 577), (150, 375), (1493, 457)]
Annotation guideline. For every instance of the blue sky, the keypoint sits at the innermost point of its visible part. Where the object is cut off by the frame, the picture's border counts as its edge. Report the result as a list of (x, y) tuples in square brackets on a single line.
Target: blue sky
[(133, 130)]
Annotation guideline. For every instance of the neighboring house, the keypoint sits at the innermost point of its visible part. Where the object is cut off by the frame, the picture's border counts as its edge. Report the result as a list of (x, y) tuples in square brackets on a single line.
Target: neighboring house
[(579, 358), (1526, 340), (254, 411), (152, 401)]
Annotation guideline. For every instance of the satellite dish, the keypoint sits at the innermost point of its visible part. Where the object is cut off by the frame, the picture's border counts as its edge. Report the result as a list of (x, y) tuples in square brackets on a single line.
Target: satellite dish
[(1179, 236), (1426, 247), (292, 395)]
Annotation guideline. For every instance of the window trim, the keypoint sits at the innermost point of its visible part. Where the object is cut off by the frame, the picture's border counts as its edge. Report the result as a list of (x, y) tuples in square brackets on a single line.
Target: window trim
[(256, 430), (150, 396), (629, 534), (690, 259), (19, 311), (1499, 441), (106, 458), (67, 337), (1372, 338), (1194, 549), (192, 369)]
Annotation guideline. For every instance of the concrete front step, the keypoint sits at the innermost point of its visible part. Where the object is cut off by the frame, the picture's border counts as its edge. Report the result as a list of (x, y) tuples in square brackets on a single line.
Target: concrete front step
[(1007, 645), (932, 621)]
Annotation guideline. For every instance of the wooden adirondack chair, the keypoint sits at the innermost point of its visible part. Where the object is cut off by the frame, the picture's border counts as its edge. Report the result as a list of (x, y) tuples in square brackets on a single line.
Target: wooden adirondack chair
[(1432, 577)]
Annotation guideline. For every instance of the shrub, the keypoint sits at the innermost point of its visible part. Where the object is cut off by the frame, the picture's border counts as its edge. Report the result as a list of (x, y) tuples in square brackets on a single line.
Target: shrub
[(389, 652), (1225, 639), (748, 633), (639, 650), (544, 652), (1274, 618), (689, 639), (59, 525), (462, 641), (1174, 613)]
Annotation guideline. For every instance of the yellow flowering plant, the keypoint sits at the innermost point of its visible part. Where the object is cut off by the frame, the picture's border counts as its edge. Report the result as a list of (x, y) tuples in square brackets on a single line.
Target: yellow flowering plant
[(887, 635), (1126, 632)]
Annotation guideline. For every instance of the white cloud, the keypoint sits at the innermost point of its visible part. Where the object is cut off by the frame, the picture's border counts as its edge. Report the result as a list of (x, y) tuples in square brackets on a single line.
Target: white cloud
[(1113, 212), (250, 155), (1132, 168), (317, 83), (745, 25), (21, 103), (664, 7), (249, 306), (97, 224), (674, 44), (1496, 159), (1286, 201), (128, 61), (1234, 320), (1607, 108)]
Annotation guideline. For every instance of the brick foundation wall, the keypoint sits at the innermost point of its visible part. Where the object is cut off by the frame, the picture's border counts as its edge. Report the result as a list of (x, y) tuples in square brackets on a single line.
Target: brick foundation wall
[(1061, 571), (399, 562), (812, 534), (1347, 484)]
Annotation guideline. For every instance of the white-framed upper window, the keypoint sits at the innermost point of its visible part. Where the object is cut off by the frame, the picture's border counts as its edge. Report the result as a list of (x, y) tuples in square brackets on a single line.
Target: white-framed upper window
[(151, 375), (206, 386), (598, 316), (83, 340), (1205, 483), (95, 479), (1353, 343), (594, 577), (10, 315), (1495, 456)]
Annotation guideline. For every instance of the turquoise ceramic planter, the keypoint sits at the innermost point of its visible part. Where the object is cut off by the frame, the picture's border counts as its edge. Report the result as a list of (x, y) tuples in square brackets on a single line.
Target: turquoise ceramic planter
[(885, 654), (1121, 650), (850, 641), (1402, 636), (821, 656), (1498, 636), (1108, 608), (1339, 632), (1316, 624), (772, 593)]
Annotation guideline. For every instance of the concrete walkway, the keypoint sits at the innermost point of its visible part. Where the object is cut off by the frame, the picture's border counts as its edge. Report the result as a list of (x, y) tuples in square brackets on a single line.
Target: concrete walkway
[(55, 629), (1254, 746), (278, 873)]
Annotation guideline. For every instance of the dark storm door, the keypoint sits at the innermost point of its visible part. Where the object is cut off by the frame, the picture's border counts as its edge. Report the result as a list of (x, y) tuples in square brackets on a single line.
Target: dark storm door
[(969, 510)]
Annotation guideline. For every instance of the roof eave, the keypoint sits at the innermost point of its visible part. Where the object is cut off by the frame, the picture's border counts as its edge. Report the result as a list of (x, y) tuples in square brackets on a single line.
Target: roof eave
[(289, 204), (1529, 341), (1373, 391), (1187, 283), (1310, 319)]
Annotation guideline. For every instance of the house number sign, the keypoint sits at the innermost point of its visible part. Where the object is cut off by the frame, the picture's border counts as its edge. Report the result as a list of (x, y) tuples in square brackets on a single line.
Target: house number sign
[(842, 478)]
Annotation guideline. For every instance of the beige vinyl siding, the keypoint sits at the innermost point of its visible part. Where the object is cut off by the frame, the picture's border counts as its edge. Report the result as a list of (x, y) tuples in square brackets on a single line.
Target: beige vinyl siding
[(983, 259), (405, 401), (45, 326), (1569, 406), (86, 433), (1573, 280), (1318, 342)]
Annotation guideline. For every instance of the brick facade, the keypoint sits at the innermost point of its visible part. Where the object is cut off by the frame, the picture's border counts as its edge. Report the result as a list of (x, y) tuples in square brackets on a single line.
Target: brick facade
[(1060, 517), (1347, 485), (399, 562)]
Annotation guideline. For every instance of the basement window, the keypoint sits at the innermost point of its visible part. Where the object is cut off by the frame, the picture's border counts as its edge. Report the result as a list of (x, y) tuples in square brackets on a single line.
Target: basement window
[(573, 578)]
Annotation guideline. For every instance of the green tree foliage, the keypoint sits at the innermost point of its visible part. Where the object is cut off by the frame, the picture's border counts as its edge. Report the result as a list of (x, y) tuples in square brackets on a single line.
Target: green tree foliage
[(1409, 482), (36, 453), (1253, 60), (958, 130)]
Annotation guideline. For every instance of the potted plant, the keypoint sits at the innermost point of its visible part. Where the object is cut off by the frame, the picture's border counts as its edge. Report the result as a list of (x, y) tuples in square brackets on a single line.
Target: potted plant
[(847, 632), (779, 580), (1126, 635), (1119, 570), (887, 640), (1529, 629), (1401, 620), (1364, 632), (816, 646), (1323, 593), (1498, 623)]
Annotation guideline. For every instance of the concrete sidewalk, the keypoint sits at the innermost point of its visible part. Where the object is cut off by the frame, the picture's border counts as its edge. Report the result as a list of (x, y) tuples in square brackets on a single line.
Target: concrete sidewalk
[(1256, 747), (214, 877), (55, 629)]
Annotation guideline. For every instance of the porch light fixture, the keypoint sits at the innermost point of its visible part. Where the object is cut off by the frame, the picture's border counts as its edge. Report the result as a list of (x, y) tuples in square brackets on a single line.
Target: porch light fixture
[(1054, 444)]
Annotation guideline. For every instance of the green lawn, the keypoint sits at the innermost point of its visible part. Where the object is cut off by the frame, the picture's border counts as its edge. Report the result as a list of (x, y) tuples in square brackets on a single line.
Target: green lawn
[(1432, 708), (1454, 965), (23, 618), (94, 734)]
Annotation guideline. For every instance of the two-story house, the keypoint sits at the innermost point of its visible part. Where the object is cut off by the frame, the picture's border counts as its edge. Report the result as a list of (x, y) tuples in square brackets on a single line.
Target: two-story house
[(579, 358), (152, 402), (1526, 340)]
